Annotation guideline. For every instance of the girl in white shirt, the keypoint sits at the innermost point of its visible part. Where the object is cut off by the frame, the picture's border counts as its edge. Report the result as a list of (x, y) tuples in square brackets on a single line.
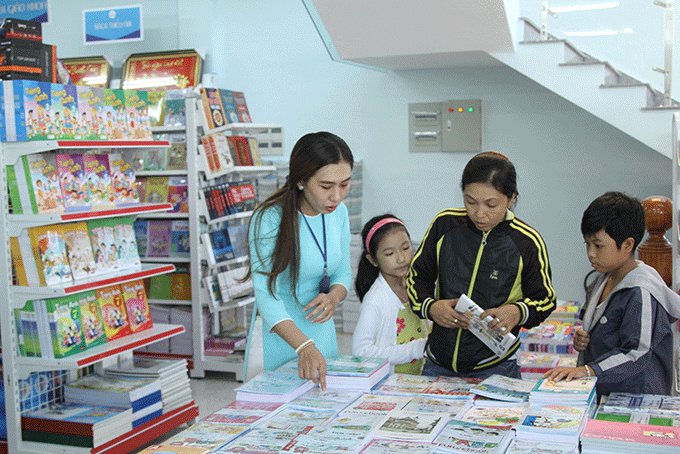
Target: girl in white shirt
[(387, 328)]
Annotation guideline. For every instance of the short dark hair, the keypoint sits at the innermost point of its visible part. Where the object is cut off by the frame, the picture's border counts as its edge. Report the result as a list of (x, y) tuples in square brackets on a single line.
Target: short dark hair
[(618, 214), (492, 168)]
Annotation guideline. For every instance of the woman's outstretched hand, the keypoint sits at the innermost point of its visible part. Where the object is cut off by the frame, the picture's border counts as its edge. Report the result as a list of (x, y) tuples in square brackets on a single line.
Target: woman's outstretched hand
[(312, 366)]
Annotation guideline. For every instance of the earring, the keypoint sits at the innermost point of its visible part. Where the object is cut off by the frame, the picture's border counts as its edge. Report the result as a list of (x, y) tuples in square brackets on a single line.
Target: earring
[(300, 187)]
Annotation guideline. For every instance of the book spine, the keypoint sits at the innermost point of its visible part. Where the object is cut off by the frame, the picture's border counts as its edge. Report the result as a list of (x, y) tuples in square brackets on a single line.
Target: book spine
[(31, 193)]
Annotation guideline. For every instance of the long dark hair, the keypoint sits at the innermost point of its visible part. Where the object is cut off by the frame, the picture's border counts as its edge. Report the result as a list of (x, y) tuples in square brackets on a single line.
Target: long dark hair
[(492, 168), (367, 273), (311, 152)]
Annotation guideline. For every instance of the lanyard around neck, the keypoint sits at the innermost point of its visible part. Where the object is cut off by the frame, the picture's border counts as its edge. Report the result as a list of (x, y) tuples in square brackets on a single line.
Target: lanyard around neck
[(323, 251)]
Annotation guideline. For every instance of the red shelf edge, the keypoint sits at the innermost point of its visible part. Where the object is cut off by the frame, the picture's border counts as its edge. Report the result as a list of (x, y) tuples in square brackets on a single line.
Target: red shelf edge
[(115, 211), (126, 347), (112, 143)]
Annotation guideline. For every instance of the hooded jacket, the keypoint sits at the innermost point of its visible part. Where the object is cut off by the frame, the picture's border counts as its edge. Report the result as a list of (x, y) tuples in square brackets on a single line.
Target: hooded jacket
[(631, 338)]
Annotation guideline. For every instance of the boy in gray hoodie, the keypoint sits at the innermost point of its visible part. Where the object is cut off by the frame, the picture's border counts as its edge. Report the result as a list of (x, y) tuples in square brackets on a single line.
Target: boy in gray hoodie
[(627, 339)]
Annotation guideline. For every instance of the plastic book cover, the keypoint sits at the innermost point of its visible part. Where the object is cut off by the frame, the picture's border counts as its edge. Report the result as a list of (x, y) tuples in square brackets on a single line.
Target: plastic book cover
[(493, 416), (404, 425), (452, 387), (114, 315), (79, 250), (89, 110), (500, 344), (180, 245), (178, 194), (157, 189), (92, 322), (140, 227), (212, 106), (229, 106), (123, 181), (42, 175), (241, 107), (159, 236), (136, 305), (404, 384), (177, 153), (103, 237), (114, 118), (98, 180), (205, 436), (50, 251), (155, 159), (352, 365), (175, 108), (505, 388), (65, 325), (72, 182), (126, 244), (37, 102), (137, 114), (473, 438), (64, 111), (387, 446)]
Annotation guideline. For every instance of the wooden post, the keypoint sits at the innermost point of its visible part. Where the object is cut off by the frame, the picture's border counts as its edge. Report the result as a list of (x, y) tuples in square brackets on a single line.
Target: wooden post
[(656, 251)]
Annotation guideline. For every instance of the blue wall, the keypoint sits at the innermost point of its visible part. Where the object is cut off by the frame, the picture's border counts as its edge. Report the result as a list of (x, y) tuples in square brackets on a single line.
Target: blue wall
[(270, 49)]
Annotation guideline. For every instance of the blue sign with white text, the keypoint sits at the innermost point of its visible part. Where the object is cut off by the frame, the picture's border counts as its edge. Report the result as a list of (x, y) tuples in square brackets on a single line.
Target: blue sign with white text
[(24, 10), (113, 24)]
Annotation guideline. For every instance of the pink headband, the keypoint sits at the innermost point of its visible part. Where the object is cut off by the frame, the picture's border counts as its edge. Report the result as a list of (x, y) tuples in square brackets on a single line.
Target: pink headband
[(375, 228)]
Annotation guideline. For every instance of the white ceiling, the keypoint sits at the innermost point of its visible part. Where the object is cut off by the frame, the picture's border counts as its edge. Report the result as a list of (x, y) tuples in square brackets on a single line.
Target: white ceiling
[(408, 34)]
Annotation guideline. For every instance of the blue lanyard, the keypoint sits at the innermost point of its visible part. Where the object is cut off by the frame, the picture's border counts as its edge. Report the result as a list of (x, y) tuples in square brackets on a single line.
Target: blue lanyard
[(323, 251)]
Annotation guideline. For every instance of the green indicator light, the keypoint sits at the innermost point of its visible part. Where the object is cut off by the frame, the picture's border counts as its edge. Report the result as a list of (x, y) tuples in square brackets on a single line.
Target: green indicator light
[(470, 109)]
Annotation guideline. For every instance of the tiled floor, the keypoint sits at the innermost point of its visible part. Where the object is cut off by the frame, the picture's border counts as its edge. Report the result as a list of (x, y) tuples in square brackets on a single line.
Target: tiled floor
[(216, 390)]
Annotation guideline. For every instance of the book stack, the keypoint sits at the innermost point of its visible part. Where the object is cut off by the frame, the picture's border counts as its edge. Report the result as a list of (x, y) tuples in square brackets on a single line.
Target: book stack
[(226, 343), (579, 392), (557, 423), (73, 424), (452, 388), (649, 409), (63, 253), (223, 199), (141, 394), (534, 365), (356, 372), (162, 238), (272, 386), (551, 336), (532, 447), (471, 437), (566, 310), (171, 373), (507, 389), (618, 437)]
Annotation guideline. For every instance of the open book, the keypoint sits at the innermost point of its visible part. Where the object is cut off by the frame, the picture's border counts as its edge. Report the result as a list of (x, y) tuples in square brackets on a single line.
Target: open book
[(497, 342)]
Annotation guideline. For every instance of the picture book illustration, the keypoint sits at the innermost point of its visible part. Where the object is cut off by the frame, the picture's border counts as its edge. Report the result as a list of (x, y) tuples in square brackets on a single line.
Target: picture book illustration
[(64, 111), (137, 111), (37, 100), (113, 312), (72, 182), (114, 114), (136, 305), (79, 250), (45, 181), (123, 182), (64, 318), (53, 256), (92, 323), (98, 180), (126, 244), (103, 239)]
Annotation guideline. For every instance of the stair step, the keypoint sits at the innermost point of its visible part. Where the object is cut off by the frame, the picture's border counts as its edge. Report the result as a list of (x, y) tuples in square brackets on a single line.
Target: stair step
[(625, 85)]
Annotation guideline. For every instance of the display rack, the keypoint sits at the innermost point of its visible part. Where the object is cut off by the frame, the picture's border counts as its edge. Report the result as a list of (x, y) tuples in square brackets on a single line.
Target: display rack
[(199, 221), (16, 367)]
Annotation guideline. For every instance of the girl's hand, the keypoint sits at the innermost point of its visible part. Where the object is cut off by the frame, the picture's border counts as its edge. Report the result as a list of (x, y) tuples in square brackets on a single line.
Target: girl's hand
[(504, 318), (443, 314), (581, 340), (312, 366), (569, 373), (323, 308)]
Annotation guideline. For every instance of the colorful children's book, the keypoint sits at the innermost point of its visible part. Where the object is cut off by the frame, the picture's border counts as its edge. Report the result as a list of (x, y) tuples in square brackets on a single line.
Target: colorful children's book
[(64, 323), (356, 372), (98, 178), (114, 114), (404, 384), (155, 159), (72, 182), (134, 392), (51, 258), (159, 237), (177, 153), (92, 322), (504, 388), (157, 190), (156, 107), (79, 250), (136, 305), (141, 227), (612, 436), (114, 315), (103, 237), (175, 108), (42, 176), (123, 180), (126, 244), (212, 106), (206, 436), (494, 416), (37, 103), (229, 106), (241, 107), (272, 386), (578, 391), (64, 110), (452, 387), (137, 111), (178, 194), (558, 423), (89, 110), (473, 438), (179, 243)]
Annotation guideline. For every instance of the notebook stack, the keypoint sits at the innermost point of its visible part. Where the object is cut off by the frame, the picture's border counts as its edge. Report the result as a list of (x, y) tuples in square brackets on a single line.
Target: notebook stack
[(356, 372), (171, 373), (273, 386)]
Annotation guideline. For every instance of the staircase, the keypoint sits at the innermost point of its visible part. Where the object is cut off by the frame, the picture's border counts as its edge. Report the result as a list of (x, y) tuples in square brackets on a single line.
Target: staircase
[(632, 106)]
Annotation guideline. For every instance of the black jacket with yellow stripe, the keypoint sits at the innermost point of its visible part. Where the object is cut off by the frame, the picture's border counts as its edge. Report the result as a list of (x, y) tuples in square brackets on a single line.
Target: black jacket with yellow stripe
[(507, 265)]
